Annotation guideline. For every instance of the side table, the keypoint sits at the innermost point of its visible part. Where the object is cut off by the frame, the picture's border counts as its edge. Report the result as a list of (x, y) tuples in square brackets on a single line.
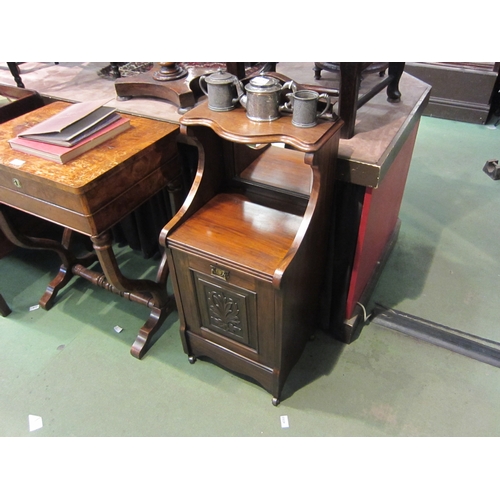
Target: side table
[(89, 195)]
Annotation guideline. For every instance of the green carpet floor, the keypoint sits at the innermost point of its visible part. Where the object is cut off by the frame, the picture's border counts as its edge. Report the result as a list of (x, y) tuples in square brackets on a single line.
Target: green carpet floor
[(70, 367), (446, 264)]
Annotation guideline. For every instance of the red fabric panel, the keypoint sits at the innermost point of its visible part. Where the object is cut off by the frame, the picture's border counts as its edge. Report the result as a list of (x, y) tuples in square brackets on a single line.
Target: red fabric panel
[(378, 220)]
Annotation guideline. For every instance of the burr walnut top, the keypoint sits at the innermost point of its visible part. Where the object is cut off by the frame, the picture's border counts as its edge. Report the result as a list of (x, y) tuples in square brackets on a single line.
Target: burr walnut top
[(91, 165)]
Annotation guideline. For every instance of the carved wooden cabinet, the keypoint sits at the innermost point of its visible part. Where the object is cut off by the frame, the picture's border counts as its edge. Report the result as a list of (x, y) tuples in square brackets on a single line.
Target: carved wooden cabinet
[(247, 249)]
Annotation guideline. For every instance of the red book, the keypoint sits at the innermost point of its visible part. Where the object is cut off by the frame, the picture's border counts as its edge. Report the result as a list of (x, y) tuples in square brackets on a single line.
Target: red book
[(61, 154)]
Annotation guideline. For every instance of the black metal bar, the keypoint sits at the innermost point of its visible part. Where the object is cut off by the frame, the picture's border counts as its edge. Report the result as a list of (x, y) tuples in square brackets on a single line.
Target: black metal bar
[(472, 346)]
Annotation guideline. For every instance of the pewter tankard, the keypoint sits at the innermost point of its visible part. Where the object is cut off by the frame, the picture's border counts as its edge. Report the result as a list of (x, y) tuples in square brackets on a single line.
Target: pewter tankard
[(220, 88), (303, 104)]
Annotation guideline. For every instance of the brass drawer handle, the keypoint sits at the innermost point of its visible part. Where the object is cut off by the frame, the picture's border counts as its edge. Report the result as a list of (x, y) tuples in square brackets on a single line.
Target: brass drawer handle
[(220, 273)]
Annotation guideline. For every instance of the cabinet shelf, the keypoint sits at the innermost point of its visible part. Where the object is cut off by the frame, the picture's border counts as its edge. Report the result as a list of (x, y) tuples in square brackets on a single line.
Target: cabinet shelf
[(281, 169), (233, 230)]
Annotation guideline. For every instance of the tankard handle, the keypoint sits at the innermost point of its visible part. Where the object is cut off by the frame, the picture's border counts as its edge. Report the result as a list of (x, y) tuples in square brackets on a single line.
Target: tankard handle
[(328, 103), (288, 106), (201, 82)]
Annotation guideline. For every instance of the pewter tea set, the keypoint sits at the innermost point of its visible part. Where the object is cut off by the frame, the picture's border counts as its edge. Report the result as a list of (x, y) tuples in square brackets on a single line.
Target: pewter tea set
[(261, 98)]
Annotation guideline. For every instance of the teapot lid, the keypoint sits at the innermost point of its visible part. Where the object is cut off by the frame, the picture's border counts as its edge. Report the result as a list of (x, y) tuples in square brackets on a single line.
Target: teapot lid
[(220, 77), (263, 83)]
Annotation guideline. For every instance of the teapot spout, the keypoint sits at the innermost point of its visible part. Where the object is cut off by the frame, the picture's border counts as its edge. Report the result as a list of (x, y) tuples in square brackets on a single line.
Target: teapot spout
[(239, 88), (241, 94), (243, 100)]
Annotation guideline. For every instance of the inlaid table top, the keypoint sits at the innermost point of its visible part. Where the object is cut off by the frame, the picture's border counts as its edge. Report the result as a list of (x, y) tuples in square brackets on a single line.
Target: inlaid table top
[(96, 189), (95, 163)]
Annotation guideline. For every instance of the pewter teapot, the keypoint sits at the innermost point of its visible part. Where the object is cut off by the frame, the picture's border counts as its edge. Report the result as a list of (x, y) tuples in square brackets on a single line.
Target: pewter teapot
[(221, 89), (262, 98)]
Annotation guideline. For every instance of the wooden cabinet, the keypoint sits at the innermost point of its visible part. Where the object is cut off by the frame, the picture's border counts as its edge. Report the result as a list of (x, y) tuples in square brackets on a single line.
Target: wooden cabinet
[(247, 249)]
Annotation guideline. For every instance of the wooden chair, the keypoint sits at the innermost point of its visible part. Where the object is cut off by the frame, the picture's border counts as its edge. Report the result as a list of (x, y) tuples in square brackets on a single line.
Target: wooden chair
[(16, 73), (351, 74)]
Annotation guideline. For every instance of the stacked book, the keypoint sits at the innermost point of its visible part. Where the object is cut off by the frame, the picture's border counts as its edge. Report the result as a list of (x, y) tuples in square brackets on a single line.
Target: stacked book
[(73, 131)]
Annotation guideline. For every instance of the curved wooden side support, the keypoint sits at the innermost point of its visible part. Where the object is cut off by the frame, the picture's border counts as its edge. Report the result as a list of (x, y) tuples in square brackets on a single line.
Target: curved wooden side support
[(209, 179), (310, 237), (149, 333), (305, 229)]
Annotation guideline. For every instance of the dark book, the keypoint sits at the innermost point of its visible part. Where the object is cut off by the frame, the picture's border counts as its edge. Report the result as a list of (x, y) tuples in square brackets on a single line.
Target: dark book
[(61, 154)]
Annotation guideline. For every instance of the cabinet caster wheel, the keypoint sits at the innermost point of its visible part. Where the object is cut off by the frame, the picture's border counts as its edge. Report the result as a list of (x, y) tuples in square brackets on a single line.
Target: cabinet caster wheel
[(276, 401), (192, 360)]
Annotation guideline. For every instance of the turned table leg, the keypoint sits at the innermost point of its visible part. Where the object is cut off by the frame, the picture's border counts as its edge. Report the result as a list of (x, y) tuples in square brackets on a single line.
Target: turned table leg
[(153, 294)]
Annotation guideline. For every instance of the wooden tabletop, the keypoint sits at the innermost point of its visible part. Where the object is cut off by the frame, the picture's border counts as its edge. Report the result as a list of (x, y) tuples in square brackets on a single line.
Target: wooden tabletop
[(90, 166)]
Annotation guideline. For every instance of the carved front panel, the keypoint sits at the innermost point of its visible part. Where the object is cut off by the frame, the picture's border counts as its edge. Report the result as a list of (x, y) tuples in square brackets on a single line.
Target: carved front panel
[(227, 310)]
